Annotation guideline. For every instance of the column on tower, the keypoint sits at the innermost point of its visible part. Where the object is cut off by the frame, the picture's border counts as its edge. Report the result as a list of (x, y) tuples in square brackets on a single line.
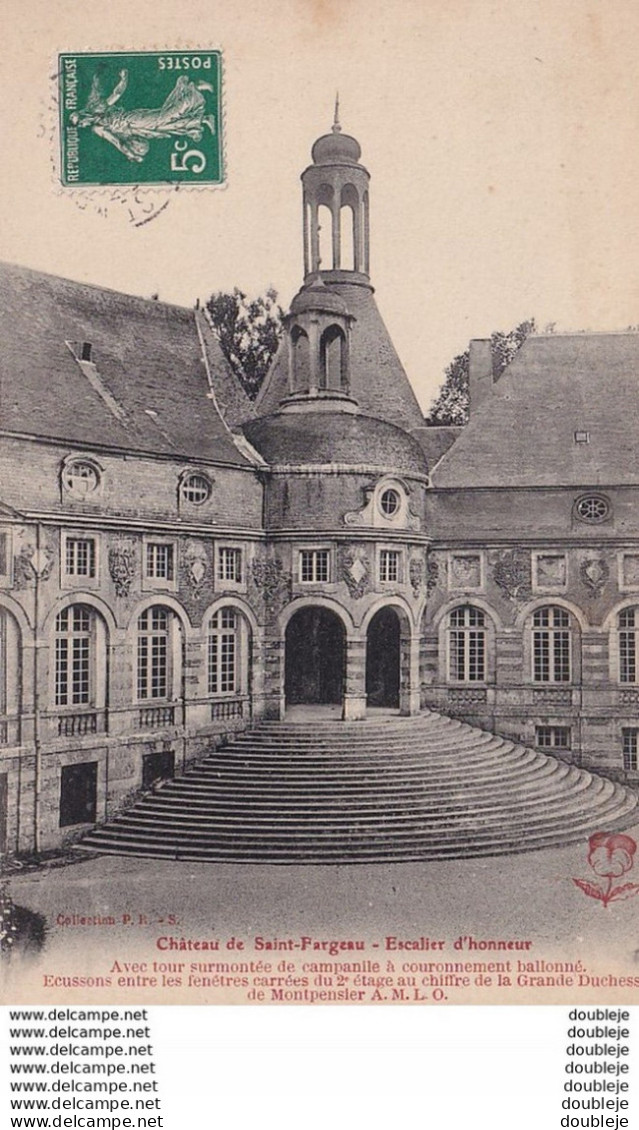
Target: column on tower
[(335, 208)]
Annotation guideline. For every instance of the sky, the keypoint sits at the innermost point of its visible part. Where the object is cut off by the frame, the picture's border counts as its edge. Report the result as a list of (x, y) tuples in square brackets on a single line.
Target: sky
[(501, 137)]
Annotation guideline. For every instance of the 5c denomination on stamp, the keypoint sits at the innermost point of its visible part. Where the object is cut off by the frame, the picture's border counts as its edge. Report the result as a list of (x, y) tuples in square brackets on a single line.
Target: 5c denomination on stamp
[(143, 118)]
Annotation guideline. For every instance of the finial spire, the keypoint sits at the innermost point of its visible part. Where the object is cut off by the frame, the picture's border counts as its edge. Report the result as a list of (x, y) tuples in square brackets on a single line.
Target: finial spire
[(336, 123)]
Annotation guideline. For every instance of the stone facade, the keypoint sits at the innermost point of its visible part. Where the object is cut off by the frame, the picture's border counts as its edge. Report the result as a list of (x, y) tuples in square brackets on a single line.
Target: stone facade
[(168, 575)]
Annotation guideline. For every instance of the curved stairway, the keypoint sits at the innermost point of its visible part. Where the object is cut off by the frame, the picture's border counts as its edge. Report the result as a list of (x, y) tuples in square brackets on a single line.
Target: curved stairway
[(417, 788)]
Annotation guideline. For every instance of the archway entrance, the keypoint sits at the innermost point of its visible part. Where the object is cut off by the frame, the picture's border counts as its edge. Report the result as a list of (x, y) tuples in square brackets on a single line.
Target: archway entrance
[(315, 651), (383, 659)]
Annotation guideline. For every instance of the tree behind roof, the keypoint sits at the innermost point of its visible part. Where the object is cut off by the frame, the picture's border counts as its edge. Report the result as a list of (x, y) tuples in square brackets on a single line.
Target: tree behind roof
[(249, 332), (452, 403)]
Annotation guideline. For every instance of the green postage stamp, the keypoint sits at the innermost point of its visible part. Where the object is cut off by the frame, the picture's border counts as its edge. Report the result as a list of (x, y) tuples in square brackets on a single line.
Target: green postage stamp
[(141, 118)]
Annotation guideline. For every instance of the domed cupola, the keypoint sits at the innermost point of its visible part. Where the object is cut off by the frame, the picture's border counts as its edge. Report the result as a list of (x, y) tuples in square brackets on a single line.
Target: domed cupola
[(336, 222), (337, 354), (318, 334), (336, 148)]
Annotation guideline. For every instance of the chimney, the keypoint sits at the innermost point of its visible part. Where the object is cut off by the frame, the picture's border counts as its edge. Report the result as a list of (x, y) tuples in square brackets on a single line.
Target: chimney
[(480, 371)]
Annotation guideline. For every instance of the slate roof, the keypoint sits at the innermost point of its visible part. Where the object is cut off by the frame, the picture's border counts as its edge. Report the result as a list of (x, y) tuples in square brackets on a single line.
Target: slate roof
[(436, 441), (378, 380), (149, 391), (523, 433), (299, 438)]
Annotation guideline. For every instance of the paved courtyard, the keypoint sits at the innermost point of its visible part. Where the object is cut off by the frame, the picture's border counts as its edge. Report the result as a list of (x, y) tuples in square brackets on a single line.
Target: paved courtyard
[(112, 907)]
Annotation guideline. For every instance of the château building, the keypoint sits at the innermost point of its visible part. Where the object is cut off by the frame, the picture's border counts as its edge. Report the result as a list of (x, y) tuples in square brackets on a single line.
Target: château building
[(177, 562)]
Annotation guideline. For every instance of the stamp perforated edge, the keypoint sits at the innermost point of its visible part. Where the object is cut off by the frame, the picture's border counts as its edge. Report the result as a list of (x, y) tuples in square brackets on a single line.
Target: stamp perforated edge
[(127, 195)]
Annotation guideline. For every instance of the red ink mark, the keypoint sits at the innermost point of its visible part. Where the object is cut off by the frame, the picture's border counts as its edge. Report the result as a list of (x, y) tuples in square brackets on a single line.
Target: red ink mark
[(610, 855)]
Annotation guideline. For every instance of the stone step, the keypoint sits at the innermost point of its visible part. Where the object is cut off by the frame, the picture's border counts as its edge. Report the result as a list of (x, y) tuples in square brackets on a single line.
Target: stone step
[(248, 780), (417, 799), (378, 850), (454, 817), (352, 831), (298, 793), (277, 793), (371, 753)]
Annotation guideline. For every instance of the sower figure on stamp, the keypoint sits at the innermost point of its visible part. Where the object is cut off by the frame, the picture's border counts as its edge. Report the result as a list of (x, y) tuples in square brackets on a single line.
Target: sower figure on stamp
[(182, 114)]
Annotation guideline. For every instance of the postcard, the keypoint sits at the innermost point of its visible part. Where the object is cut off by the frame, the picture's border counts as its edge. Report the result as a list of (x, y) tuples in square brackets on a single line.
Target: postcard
[(319, 504)]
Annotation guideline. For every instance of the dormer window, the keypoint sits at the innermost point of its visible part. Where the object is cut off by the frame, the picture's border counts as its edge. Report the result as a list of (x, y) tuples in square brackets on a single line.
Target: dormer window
[(195, 489), (333, 359), (81, 350), (389, 502)]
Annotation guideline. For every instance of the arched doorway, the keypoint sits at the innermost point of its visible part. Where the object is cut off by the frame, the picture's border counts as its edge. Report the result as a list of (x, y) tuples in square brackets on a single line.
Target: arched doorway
[(383, 659), (314, 657)]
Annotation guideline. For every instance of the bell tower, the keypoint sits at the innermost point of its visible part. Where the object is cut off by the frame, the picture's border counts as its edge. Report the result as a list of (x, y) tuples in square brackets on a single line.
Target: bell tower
[(336, 219), (337, 355), (318, 331)]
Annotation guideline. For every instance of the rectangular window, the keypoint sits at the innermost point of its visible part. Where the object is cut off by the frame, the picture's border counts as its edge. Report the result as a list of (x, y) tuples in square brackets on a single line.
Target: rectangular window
[(389, 565), (159, 561), (630, 744), (78, 793), (4, 554), (229, 564), (314, 565), (80, 557), (553, 737)]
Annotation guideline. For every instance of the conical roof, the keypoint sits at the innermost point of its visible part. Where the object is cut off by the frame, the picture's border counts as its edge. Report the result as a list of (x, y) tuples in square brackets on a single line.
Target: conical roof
[(378, 381)]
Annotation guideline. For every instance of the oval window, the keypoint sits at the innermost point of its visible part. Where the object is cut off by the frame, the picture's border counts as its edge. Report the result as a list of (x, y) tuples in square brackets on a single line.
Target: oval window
[(389, 502), (195, 489), (592, 508)]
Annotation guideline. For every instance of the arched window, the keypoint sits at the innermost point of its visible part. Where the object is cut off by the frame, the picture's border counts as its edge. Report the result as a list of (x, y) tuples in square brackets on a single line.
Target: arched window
[(224, 653), (467, 645), (301, 359), (628, 626), (347, 237), (333, 358), (551, 644), (325, 237), (157, 667), (10, 679), (350, 229), (366, 235), (75, 656), (308, 226)]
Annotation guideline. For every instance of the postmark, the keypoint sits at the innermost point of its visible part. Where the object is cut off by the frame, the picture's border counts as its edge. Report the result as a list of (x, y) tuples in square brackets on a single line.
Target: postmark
[(141, 118)]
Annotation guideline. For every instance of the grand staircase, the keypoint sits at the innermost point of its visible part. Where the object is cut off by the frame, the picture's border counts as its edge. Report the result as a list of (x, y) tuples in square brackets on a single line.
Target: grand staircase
[(417, 788)]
